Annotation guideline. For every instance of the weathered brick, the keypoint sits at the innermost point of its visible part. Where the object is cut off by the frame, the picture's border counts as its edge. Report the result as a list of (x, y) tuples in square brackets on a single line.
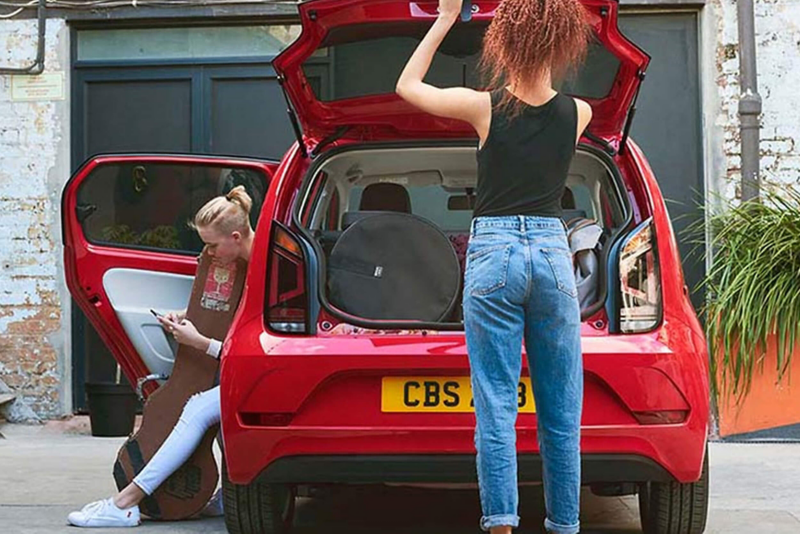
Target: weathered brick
[(777, 146), (30, 298), (777, 37)]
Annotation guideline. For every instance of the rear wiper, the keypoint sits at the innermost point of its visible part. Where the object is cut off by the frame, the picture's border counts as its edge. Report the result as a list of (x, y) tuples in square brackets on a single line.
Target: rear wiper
[(293, 119)]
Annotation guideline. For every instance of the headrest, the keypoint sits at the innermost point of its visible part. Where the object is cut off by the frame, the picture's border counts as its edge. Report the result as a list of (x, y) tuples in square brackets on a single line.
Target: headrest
[(385, 196)]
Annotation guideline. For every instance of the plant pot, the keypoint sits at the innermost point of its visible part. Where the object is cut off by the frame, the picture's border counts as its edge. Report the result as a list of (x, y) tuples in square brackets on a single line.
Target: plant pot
[(112, 409), (769, 403)]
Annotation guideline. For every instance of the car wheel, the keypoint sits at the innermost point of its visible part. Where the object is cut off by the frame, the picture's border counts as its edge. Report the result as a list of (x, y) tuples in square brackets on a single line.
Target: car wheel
[(257, 508), (675, 508)]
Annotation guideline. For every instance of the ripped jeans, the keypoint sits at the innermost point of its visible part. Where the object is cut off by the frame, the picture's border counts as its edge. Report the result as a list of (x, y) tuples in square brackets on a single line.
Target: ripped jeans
[(519, 287), (202, 411)]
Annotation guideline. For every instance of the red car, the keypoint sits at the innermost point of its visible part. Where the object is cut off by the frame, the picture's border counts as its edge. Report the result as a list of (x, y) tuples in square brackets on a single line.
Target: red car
[(326, 380)]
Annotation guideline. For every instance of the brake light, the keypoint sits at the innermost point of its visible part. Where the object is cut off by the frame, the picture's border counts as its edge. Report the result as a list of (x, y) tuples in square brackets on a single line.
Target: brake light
[(640, 281), (287, 305)]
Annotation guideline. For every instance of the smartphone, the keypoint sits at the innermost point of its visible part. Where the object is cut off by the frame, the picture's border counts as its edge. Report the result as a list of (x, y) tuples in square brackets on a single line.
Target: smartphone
[(156, 314)]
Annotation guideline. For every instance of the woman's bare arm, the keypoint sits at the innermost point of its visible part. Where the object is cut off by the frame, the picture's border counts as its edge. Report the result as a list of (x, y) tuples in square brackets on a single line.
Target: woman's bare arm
[(584, 117), (453, 102)]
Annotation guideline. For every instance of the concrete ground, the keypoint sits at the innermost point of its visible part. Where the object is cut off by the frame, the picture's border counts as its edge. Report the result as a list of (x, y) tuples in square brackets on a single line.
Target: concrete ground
[(48, 471)]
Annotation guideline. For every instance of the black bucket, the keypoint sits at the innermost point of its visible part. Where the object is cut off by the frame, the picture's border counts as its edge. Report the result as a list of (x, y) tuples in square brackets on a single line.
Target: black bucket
[(112, 409)]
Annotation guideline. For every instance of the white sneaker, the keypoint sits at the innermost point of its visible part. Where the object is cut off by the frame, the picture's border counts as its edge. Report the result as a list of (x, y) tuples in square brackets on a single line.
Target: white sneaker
[(214, 506), (105, 513)]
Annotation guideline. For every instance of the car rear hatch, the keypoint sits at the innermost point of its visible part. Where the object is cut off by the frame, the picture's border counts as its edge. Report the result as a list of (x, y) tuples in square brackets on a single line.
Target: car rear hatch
[(341, 72)]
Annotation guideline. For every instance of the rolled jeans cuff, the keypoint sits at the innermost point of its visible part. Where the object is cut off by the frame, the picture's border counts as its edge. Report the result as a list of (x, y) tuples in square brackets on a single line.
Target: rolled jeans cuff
[(506, 520), (555, 528)]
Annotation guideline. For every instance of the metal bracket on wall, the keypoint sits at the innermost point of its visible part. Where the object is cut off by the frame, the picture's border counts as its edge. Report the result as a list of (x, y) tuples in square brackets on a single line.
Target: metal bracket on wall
[(37, 67)]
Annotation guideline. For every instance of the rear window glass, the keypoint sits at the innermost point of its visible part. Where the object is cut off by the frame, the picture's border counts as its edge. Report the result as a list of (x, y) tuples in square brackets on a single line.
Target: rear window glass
[(366, 59)]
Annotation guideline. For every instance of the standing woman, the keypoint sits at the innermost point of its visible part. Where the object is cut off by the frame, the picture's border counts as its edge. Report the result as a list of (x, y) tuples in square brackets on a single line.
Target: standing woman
[(518, 283)]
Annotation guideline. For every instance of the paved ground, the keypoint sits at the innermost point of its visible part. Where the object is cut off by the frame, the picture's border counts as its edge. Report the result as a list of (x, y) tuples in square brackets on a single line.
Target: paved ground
[(46, 472)]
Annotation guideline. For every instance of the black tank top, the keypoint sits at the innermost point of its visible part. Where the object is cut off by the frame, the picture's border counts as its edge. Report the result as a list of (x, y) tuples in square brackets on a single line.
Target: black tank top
[(523, 164)]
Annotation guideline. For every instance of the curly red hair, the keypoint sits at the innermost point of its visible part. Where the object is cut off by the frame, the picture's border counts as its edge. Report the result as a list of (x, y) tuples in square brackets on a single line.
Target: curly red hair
[(529, 37)]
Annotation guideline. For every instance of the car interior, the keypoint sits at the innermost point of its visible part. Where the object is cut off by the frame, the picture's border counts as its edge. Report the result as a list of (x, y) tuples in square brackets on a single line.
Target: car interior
[(436, 184)]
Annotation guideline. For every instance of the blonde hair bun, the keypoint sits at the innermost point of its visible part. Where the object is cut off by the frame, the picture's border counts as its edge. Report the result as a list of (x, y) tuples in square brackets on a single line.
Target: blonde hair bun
[(238, 195), (227, 213)]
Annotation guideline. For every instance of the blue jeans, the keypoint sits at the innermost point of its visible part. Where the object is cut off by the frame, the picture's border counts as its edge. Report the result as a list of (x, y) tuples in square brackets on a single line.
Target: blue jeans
[(519, 285)]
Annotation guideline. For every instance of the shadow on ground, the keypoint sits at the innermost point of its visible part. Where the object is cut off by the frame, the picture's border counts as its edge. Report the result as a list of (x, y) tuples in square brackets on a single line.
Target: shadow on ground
[(393, 510)]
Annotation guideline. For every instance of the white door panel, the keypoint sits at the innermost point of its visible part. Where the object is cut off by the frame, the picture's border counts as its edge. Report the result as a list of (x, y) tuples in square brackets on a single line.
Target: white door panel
[(132, 294)]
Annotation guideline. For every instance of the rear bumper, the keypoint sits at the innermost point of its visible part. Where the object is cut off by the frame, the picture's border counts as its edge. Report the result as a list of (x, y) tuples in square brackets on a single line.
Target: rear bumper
[(308, 409), (629, 453), (453, 469)]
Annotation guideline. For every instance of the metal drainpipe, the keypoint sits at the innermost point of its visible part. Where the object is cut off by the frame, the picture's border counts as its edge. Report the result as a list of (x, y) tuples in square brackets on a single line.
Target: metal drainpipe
[(749, 101), (37, 67)]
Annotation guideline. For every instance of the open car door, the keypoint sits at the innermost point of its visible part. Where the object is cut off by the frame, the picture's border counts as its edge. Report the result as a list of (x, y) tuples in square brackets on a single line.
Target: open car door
[(128, 247)]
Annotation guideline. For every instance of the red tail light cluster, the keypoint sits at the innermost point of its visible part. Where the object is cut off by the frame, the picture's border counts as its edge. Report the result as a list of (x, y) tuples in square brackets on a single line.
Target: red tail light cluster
[(287, 302), (640, 281)]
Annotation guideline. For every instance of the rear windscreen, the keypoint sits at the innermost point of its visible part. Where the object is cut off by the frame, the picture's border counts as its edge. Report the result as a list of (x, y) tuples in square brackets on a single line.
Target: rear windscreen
[(366, 59)]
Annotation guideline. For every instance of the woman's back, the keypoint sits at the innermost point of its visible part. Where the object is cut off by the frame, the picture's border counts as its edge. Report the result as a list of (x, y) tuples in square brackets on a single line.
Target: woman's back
[(523, 164)]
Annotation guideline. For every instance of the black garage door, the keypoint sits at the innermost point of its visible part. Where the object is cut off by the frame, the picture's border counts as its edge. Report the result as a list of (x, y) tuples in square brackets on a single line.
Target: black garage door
[(668, 124)]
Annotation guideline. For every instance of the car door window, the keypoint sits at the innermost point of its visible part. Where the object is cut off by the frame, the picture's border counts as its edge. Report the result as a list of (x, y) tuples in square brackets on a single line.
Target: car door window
[(150, 205)]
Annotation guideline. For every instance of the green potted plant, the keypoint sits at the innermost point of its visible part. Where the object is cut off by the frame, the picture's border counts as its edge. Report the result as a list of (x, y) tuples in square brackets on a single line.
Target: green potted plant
[(752, 310)]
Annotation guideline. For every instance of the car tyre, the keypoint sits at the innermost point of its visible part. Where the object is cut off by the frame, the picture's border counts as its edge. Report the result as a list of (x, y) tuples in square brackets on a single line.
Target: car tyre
[(257, 508), (675, 508)]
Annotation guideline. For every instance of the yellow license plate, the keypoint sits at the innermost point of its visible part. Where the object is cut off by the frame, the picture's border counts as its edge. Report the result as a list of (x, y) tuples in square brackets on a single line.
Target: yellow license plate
[(436, 394)]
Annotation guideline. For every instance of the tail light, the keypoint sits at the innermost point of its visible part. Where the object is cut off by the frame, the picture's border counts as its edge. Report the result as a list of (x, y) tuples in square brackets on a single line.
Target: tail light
[(287, 303), (640, 281)]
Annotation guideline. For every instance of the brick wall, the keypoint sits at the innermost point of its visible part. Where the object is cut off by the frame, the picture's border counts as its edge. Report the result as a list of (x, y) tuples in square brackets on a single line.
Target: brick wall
[(778, 55), (33, 145)]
